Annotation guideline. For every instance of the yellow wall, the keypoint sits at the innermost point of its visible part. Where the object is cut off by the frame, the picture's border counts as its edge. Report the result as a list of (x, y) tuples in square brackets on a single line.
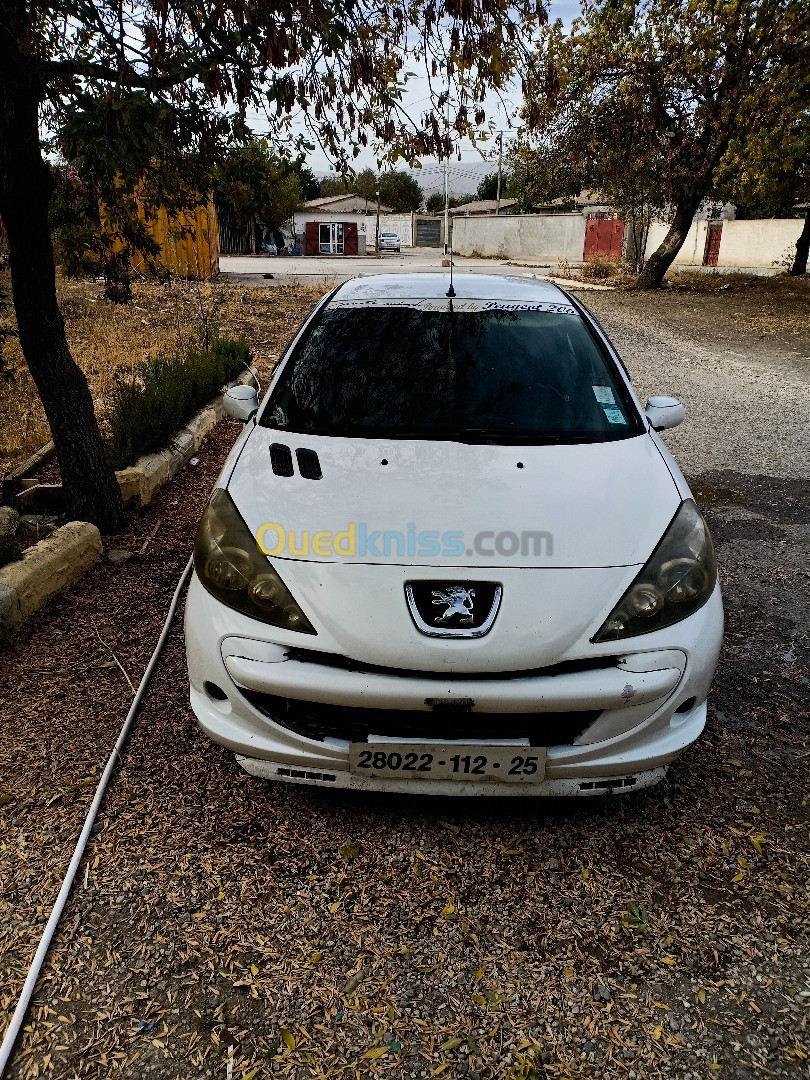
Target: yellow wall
[(189, 242)]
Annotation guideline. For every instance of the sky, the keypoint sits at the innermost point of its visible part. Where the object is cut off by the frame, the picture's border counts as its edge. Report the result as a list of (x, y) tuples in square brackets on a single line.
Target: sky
[(472, 166)]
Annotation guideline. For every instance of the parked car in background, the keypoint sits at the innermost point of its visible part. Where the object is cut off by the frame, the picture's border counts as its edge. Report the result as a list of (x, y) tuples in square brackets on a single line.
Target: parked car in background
[(389, 241), (450, 554)]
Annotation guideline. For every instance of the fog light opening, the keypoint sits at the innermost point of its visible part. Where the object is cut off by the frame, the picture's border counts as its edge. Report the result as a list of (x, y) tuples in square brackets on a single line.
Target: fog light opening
[(215, 692), (686, 706)]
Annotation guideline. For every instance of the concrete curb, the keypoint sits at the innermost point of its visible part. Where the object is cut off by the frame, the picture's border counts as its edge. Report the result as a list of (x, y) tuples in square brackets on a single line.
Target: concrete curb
[(46, 568)]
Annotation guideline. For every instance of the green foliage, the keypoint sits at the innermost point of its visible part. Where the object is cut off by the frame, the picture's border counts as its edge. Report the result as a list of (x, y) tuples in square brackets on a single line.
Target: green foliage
[(365, 185), (488, 187), (636, 918), (435, 202), (767, 171), (75, 222), (140, 95), (165, 392), (400, 191), (259, 188), (94, 236), (307, 181), (330, 186), (128, 155)]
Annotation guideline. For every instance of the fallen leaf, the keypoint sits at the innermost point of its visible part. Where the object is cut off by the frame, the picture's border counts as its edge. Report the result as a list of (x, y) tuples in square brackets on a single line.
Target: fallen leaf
[(375, 1052), (451, 1044)]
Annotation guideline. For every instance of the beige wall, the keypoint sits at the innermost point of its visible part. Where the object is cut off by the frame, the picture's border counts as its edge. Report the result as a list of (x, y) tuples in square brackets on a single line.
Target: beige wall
[(401, 224), (691, 254), (769, 242), (765, 243), (530, 236)]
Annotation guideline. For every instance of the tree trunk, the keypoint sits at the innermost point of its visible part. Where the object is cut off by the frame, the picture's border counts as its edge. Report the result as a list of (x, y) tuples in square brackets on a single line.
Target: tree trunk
[(659, 262), (802, 249), (91, 489)]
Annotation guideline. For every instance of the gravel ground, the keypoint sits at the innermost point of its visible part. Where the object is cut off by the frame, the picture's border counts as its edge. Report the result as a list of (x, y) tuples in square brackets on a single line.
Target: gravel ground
[(737, 360), (222, 926)]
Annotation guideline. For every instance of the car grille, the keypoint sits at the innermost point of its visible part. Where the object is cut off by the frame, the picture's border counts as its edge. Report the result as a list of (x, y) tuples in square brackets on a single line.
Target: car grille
[(314, 720)]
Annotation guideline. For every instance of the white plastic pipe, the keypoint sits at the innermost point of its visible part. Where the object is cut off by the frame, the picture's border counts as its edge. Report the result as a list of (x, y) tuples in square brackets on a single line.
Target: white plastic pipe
[(10, 1037)]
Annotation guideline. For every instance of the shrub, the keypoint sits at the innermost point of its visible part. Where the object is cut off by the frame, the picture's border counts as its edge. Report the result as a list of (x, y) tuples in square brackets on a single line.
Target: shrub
[(165, 392), (598, 268)]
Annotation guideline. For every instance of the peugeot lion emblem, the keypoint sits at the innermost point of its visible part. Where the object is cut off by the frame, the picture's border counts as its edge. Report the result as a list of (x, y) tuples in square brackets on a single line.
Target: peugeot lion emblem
[(453, 608), (457, 601)]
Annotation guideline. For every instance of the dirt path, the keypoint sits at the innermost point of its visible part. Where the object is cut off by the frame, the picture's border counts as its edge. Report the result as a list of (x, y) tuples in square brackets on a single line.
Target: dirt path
[(303, 933)]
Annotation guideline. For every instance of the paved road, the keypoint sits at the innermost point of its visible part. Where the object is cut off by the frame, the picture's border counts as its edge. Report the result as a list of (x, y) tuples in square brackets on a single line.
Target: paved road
[(318, 269)]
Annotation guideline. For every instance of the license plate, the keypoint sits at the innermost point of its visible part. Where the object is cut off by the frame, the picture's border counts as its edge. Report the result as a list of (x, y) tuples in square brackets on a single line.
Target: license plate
[(448, 761)]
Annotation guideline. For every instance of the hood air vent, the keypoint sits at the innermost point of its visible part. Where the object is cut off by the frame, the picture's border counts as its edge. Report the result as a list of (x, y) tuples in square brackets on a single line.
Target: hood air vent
[(308, 464), (281, 459)]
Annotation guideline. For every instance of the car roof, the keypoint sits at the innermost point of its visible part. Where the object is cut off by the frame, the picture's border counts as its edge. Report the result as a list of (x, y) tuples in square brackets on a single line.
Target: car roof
[(386, 287)]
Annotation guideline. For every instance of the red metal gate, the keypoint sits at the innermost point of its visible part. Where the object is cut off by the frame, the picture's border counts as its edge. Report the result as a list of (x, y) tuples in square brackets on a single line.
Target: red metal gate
[(311, 247), (711, 253), (350, 238), (604, 237)]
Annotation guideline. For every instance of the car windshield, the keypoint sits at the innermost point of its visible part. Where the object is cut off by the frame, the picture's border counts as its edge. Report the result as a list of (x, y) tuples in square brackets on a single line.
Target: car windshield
[(476, 372)]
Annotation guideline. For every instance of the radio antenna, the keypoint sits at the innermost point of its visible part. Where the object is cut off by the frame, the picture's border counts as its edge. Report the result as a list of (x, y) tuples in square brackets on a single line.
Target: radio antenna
[(451, 292)]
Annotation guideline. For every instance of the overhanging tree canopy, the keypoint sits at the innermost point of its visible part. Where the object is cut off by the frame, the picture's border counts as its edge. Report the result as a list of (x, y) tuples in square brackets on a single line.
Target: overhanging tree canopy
[(770, 169), (146, 77), (644, 99)]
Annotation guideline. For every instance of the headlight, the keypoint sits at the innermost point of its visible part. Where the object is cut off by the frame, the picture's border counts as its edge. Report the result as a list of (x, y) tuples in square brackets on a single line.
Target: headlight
[(678, 579), (231, 567)]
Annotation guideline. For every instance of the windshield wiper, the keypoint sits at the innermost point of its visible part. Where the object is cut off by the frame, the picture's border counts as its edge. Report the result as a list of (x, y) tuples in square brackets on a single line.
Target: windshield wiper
[(505, 436)]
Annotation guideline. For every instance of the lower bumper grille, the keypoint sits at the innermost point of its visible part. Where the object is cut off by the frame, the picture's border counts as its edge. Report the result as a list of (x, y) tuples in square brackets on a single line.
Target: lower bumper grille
[(316, 721)]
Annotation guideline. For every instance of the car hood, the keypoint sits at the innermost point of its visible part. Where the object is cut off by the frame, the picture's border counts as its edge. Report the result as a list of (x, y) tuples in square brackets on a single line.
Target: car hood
[(450, 504)]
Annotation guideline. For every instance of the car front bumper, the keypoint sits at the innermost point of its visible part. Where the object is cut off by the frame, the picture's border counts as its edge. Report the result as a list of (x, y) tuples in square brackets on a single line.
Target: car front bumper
[(643, 700)]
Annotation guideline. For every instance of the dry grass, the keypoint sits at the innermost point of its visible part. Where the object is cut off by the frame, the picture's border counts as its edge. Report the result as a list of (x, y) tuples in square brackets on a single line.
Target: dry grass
[(712, 281), (107, 340), (600, 268), (775, 308)]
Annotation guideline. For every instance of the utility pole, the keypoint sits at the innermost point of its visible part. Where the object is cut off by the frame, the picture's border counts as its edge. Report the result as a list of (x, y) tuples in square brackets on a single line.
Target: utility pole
[(446, 204), (447, 247), (500, 167), (377, 245)]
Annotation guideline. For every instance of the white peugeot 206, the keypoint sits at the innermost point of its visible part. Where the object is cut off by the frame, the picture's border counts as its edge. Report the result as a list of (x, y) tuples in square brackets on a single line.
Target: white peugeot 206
[(450, 554)]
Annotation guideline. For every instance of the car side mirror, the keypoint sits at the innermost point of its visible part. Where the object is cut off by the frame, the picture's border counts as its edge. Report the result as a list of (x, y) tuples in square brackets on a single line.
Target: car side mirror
[(664, 412), (241, 402)]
